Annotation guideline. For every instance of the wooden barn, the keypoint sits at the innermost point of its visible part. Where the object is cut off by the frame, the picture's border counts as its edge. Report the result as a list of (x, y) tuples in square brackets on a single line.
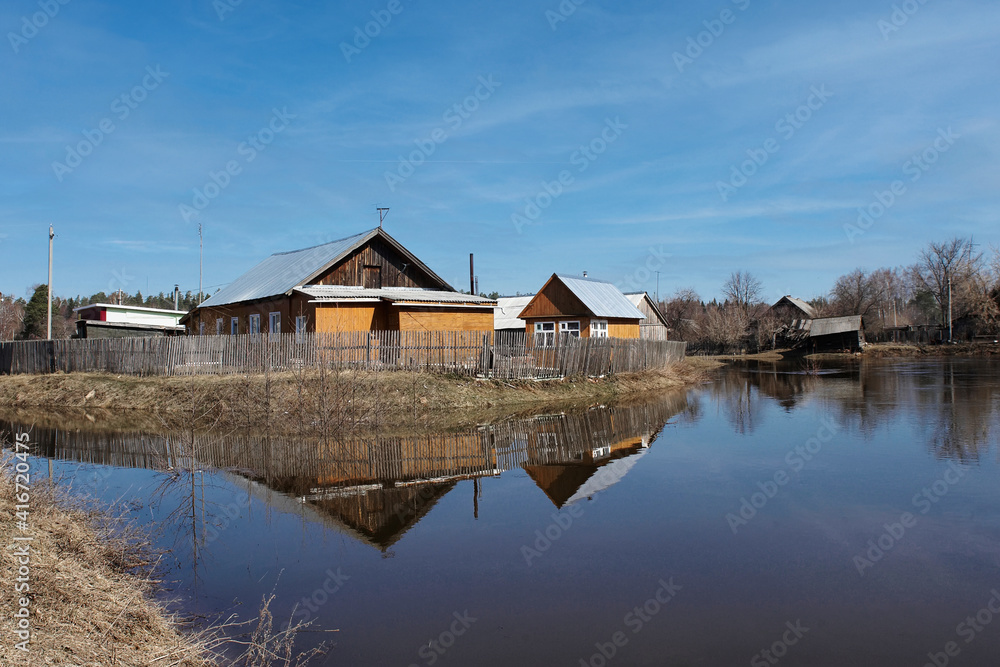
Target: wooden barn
[(835, 334), (654, 327), (365, 282), (581, 307), (788, 309)]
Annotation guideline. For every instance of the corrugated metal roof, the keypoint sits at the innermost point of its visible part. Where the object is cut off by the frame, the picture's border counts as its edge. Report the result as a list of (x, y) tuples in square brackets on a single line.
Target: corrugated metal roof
[(601, 298), (391, 294), (835, 325), (505, 315), (282, 272)]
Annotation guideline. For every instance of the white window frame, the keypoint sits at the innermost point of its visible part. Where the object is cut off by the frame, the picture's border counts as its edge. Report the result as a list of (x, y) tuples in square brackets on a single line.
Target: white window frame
[(545, 334), (598, 328), (301, 323), (218, 326), (234, 326), (274, 322), (254, 324), (568, 328)]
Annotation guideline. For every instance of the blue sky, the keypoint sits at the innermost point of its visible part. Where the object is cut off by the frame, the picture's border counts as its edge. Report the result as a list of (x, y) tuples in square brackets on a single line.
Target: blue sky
[(587, 112)]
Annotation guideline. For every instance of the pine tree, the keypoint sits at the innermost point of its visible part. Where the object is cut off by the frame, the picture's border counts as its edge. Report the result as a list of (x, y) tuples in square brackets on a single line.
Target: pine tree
[(35, 323)]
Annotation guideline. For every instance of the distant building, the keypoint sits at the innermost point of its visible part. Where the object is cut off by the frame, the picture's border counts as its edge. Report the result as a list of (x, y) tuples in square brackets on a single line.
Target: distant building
[(789, 309), (654, 327), (505, 315), (365, 282), (837, 334), (581, 307), (108, 320)]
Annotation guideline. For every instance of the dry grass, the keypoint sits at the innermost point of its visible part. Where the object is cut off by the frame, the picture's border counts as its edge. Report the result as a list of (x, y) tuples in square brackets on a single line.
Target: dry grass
[(386, 399), (90, 595)]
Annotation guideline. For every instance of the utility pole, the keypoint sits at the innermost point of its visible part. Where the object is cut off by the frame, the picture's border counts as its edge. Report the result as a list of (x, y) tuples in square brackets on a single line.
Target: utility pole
[(949, 309), (201, 260), (657, 288), (52, 235), (382, 212)]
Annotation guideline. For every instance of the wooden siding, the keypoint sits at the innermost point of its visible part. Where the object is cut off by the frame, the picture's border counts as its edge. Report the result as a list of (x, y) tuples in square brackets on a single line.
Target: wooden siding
[(376, 262), (617, 328), (444, 319), (554, 300), (338, 317)]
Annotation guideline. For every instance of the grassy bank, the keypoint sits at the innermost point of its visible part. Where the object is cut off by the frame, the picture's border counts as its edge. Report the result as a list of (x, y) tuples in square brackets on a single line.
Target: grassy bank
[(89, 602), (354, 398)]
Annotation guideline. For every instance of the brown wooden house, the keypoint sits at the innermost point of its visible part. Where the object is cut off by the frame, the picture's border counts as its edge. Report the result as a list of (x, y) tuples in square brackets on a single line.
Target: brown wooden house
[(581, 307), (364, 282)]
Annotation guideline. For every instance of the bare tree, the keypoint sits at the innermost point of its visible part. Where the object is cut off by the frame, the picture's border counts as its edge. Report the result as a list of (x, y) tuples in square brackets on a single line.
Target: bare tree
[(11, 317), (680, 312), (949, 268), (857, 293), (743, 290)]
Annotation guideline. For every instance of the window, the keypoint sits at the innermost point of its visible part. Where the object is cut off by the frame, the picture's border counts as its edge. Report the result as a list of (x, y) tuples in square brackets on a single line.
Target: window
[(571, 328), (545, 333), (234, 326), (274, 323), (599, 329), (255, 324), (300, 329), (218, 326)]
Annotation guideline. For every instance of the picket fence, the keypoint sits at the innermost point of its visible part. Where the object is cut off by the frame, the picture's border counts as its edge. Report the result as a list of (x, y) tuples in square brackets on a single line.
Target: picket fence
[(506, 355)]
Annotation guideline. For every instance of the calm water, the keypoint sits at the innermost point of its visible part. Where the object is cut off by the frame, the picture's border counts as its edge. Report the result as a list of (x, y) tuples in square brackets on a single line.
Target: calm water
[(840, 517)]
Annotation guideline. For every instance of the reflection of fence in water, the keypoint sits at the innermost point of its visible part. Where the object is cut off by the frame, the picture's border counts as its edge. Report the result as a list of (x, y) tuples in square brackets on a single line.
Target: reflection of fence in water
[(476, 353)]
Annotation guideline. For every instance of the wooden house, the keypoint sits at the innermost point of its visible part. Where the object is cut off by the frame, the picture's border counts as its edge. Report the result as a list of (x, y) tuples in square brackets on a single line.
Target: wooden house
[(364, 282), (581, 307), (788, 309), (654, 327)]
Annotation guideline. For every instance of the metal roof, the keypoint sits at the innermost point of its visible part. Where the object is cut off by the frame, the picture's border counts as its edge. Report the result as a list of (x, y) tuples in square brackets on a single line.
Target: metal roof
[(284, 271), (342, 293), (505, 315), (602, 299), (800, 304), (835, 325), (638, 297)]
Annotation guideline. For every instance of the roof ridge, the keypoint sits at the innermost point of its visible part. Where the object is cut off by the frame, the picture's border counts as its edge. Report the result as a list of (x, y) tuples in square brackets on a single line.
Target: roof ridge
[(320, 245)]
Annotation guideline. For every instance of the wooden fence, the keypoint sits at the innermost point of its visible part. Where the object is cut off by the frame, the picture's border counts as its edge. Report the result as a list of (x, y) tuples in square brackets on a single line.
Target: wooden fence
[(474, 353)]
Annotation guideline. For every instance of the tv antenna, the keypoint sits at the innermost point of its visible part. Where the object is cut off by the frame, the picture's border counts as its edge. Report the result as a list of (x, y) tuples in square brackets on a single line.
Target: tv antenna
[(382, 212)]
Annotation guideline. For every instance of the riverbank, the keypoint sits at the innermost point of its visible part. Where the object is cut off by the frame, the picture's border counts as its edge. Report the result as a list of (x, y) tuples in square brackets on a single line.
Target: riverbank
[(87, 598), (289, 400), (871, 351)]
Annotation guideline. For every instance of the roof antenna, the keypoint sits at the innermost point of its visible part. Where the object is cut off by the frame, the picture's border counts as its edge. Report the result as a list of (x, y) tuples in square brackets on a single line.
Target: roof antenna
[(382, 212)]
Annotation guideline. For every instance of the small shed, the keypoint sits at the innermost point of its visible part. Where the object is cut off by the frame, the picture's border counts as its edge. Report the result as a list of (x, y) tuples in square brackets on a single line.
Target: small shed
[(505, 314), (654, 327), (837, 333), (581, 307)]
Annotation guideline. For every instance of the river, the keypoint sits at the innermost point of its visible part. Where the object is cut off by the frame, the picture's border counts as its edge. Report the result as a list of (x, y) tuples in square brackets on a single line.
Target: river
[(840, 514)]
